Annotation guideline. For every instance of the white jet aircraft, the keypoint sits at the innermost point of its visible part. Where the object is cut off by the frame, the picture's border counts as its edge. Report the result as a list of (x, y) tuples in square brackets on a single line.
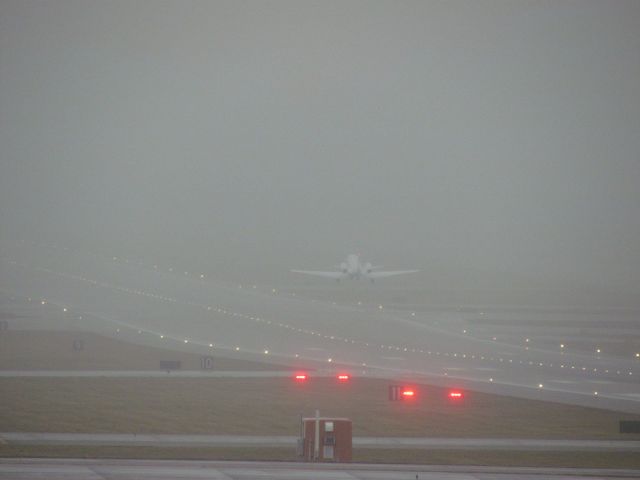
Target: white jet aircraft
[(354, 269)]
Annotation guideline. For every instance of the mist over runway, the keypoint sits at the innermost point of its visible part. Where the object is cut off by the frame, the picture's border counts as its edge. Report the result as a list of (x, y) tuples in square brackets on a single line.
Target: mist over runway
[(200, 313)]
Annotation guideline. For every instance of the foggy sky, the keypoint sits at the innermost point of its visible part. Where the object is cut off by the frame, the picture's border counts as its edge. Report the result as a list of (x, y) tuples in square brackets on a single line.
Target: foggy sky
[(499, 136)]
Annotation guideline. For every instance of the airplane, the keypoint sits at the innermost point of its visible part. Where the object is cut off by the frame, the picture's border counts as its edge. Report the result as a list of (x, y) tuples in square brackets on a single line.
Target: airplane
[(353, 269)]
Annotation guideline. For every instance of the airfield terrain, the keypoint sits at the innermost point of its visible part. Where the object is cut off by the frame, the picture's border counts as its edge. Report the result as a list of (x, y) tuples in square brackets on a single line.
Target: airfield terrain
[(579, 356), (104, 345)]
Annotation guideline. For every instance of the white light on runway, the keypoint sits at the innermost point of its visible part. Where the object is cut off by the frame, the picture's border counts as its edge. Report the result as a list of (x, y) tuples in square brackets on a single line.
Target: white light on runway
[(540, 385)]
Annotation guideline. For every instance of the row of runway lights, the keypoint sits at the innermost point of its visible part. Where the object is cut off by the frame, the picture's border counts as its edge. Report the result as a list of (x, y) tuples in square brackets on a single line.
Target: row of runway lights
[(297, 377), (202, 276), (526, 345), (333, 337), (327, 337), (311, 332)]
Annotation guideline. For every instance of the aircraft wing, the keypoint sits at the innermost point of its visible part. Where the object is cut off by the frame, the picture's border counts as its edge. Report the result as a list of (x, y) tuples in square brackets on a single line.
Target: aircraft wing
[(334, 275), (389, 273)]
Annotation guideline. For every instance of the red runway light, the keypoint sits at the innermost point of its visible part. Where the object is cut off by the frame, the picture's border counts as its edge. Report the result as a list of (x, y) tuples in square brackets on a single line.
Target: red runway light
[(455, 395), (408, 393), (343, 377), (301, 377)]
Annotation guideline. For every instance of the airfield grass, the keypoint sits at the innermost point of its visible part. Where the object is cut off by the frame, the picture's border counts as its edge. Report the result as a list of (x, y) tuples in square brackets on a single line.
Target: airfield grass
[(272, 406), (269, 406)]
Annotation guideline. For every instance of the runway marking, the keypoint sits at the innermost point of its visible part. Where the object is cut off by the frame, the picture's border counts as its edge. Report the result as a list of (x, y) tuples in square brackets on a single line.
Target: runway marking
[(632, 395)]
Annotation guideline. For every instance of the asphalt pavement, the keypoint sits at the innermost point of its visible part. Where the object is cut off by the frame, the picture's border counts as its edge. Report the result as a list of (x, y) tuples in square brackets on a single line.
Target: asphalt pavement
[(430, 443), (105, 469)]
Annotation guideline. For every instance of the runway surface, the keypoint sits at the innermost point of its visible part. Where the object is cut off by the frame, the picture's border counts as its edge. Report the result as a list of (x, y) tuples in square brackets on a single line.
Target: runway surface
[(160, 306), (32, 469), (431, 443)]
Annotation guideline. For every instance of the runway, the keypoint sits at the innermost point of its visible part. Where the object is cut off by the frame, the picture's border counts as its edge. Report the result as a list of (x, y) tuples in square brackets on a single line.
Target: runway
[(32, 469), (181, 310)]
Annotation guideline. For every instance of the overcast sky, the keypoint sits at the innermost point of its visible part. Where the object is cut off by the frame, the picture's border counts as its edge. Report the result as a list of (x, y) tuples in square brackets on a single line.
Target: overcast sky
[(499, 136)]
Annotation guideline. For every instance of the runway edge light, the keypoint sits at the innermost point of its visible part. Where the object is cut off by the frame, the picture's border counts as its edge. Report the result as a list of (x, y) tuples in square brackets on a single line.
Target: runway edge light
[(455, 395), (398, 392)]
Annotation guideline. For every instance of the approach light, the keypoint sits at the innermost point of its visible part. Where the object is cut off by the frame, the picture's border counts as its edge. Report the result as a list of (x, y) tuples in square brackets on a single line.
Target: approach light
[(455, 395), (301, 377), (343, 377)]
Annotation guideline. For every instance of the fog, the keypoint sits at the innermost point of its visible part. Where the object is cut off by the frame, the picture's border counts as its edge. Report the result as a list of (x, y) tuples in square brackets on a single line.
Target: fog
[(473, 140)]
